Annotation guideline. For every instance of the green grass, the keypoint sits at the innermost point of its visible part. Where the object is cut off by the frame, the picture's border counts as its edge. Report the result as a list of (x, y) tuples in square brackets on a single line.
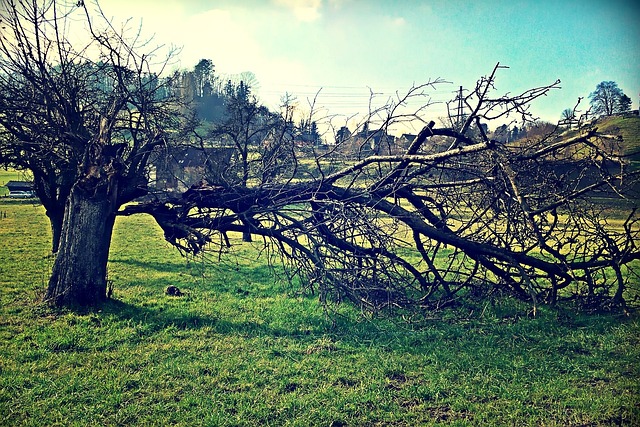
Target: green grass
[(629, 128), (242, 348)]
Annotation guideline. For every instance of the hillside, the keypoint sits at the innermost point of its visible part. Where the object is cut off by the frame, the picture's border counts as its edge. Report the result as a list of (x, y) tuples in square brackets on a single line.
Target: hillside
[(628, 127)]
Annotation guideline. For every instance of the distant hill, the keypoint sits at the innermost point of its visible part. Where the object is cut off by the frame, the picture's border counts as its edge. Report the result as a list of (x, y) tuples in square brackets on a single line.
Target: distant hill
[(629, 127)]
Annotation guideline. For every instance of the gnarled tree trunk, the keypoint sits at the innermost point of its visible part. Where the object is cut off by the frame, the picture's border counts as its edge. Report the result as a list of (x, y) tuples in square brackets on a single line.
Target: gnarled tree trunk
[(79, 274), (86, 143)]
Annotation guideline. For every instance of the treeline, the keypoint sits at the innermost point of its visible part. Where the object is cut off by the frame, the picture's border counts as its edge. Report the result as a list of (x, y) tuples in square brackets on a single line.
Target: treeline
[(504, 133), (222, 100)]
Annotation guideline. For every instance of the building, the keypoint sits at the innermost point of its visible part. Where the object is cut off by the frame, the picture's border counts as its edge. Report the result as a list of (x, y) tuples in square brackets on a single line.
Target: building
[(20, 189), (187, 166), (19, 186)]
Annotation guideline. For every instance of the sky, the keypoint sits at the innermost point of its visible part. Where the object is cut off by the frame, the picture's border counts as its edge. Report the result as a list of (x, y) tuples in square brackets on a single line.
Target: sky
[(345, 50)]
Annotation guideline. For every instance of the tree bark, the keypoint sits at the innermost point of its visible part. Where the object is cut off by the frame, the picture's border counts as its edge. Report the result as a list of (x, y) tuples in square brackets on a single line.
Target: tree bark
[(79, 276)]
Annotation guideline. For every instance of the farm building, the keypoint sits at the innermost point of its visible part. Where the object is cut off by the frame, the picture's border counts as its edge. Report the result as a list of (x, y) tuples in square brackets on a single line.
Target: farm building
[(19, 186)]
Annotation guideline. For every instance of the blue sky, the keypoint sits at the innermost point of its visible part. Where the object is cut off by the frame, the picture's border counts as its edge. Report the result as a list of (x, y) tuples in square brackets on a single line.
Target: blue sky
[(347, 47)]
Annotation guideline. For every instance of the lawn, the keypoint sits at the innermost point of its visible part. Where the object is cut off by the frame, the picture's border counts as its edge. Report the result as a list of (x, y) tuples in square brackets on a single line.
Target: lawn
[(244, 348)]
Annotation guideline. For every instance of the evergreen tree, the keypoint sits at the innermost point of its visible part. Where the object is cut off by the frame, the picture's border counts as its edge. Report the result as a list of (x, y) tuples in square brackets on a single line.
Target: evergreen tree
[(624, 104), (515, 134)]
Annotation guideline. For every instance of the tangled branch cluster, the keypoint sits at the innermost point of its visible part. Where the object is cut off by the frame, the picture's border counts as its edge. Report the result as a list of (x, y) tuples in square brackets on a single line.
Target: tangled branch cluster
[(455, 213)]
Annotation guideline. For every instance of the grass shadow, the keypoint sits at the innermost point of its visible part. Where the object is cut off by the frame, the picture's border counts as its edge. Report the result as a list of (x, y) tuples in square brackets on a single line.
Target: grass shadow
[(157, 266), (158, 318), (377, 334)]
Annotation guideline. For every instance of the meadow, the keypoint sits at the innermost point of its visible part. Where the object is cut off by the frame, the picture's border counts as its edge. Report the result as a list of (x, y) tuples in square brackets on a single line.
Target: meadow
[(243, 347)]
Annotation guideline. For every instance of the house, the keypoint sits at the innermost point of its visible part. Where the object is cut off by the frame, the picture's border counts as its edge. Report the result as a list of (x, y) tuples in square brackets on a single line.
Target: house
[(19, 186), (183, 167), (370, 142), (403, 142), (20, 189)]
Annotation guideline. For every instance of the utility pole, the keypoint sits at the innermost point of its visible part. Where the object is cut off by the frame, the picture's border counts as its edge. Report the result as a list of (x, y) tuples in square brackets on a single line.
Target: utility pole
[(459, 110)]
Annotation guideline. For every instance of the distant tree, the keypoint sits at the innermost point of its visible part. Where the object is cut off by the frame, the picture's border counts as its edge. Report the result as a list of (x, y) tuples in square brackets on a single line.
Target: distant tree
[(538, 129), (501, 133), (243, 92), (624, 104), (204, 75), (315, 134), (567, 117), (184, 85), (606, 99), (201, 88), (308, 132), (249, 79), (515, 134), (243, 127)]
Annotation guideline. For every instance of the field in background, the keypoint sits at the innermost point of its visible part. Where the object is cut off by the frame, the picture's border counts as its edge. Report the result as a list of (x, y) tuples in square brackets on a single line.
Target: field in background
[(629, 128), (243, 348)]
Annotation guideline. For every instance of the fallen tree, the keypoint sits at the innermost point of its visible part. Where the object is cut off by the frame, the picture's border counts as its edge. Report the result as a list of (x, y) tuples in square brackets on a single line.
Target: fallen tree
[(453, 213)]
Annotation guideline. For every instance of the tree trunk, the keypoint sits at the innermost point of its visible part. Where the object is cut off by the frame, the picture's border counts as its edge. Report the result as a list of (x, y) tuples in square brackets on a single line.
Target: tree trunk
[(55, 219), (79, 276)]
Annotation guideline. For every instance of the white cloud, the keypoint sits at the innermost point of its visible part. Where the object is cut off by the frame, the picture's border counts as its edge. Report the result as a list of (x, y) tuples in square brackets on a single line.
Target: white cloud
[(221, 36), (304, 10), (233, 40), (337, 4), (398, 22)]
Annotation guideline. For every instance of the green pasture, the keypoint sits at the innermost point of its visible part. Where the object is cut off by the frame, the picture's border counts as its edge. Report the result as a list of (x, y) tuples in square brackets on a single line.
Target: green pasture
[(629, 128), (243, 347)]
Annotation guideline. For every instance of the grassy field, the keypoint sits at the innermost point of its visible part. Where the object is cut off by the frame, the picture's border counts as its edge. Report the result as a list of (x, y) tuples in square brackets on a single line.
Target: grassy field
[(629, 128), (243, 348)]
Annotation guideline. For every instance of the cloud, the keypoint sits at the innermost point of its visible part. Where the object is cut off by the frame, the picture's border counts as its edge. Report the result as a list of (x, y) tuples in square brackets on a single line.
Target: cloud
[(220, 35), (233, 39), (304, 10), (337, 4), (398, 22)]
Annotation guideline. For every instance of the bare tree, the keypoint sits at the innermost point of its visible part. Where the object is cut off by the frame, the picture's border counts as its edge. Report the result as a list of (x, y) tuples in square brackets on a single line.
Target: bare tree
[(568, 117), (437, 221), (84, 118), (609, 99)]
